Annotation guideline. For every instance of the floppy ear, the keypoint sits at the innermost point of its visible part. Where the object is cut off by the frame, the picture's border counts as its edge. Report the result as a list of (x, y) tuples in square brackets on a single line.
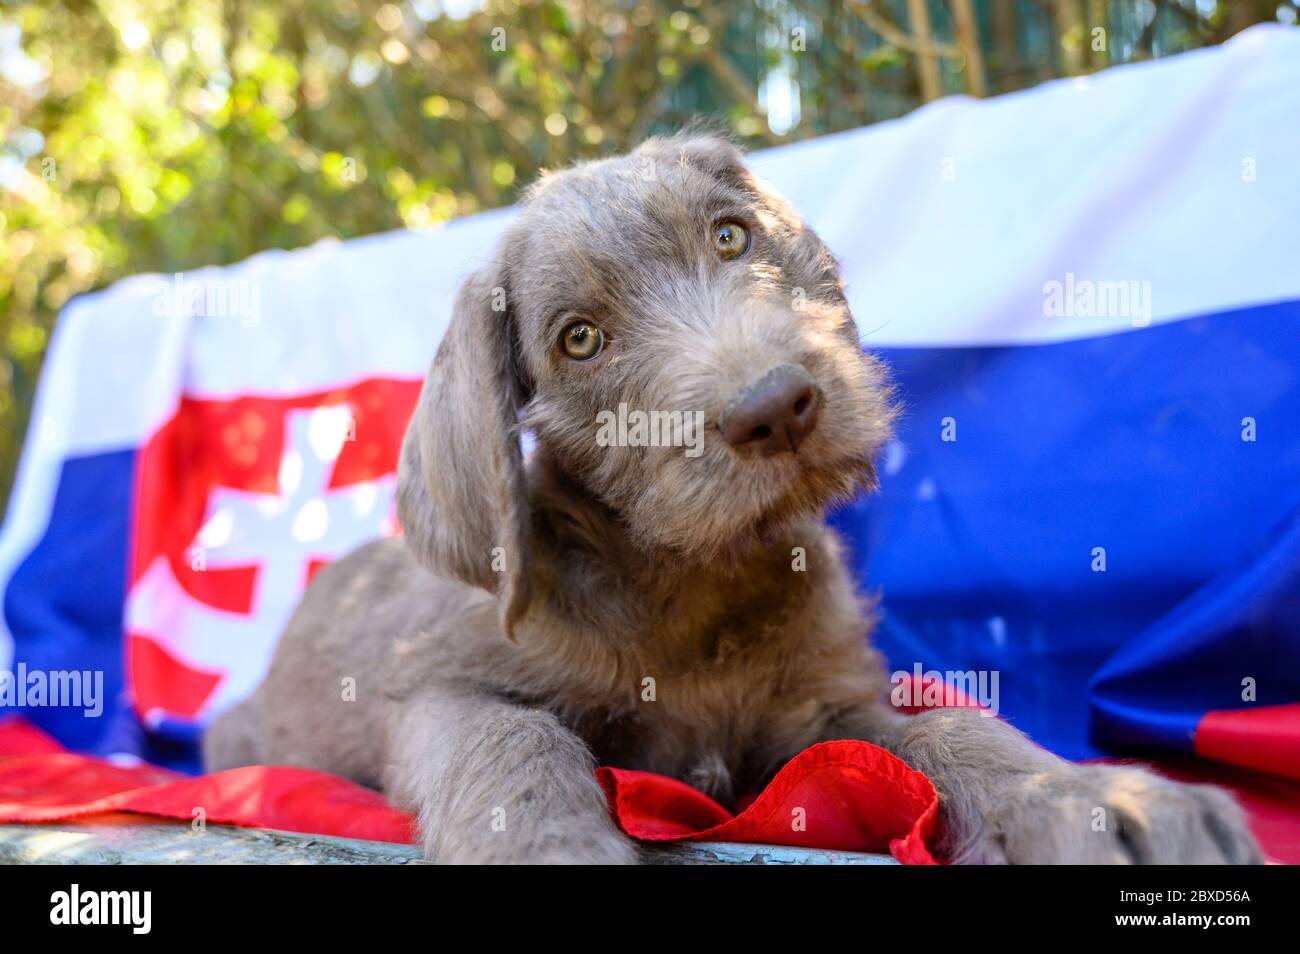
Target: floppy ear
[(461, 496)]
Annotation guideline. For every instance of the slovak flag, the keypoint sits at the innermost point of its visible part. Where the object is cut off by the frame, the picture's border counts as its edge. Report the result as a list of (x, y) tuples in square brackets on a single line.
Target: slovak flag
[(1089, 296), (200, 446)]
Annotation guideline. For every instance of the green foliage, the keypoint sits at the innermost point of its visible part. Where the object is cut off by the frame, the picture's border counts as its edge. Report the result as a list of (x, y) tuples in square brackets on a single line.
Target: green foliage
[(142, 135)]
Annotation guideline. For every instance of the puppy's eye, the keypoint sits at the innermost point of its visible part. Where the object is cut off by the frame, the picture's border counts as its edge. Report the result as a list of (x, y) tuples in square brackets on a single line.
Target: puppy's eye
[(582, 341), (730, 239)]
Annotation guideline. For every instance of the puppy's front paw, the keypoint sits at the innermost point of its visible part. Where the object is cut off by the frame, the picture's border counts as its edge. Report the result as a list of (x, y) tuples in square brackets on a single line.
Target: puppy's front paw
[(1100, 814)]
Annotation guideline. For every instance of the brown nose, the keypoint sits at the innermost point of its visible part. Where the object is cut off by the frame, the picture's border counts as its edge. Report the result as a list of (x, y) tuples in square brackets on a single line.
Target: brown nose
[(775, 413)]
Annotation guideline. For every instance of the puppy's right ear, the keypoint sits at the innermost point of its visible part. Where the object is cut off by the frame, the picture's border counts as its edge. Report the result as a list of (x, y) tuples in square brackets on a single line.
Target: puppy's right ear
[(461, 497)]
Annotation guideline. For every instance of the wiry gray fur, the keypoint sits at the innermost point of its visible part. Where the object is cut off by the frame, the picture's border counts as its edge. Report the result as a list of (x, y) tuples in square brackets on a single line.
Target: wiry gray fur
[(502, 649)]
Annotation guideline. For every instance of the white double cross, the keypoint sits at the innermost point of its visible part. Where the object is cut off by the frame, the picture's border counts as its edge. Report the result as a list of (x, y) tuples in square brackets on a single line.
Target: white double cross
[(281, 535)]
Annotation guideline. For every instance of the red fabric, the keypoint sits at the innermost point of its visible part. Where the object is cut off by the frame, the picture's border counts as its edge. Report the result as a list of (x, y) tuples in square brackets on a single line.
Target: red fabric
[(851, 796), (41, 783), (21, 738), (914, 692), (1265, 738), (854, 796)]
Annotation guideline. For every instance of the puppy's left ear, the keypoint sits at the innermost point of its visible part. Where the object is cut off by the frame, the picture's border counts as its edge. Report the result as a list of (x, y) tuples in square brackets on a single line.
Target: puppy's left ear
[(462, 499)]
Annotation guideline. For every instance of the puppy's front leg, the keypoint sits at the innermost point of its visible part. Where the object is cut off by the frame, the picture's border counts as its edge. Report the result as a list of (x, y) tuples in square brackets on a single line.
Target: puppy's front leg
[(1004, 799), (493, 782)]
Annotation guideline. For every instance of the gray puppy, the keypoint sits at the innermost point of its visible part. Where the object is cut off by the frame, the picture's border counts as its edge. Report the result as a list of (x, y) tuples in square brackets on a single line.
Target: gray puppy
[(679, 609)]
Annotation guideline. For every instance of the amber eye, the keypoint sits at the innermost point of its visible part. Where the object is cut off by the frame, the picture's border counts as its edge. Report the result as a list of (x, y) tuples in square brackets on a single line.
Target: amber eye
[(730, 239), (582, 341)]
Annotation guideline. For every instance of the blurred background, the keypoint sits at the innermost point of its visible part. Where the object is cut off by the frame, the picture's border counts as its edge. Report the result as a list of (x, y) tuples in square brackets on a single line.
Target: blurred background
[(141, 135)]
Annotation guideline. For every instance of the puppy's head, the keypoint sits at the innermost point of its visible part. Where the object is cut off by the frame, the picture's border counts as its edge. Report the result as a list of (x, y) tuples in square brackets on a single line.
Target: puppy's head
[(679, 343)]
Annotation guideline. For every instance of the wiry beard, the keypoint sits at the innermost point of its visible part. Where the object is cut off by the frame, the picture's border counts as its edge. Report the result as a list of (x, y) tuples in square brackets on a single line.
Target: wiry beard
[(809, 496)]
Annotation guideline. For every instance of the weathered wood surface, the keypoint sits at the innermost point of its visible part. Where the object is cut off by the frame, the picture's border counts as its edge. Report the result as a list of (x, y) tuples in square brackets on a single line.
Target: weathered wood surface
[(133, 840)]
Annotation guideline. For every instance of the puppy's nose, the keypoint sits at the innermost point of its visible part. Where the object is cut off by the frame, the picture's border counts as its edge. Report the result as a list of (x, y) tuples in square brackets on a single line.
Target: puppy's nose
[(775, 413)]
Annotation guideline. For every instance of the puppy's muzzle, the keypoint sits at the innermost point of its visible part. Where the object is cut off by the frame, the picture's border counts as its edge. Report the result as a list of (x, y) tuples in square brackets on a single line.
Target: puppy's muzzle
[(775, 414)]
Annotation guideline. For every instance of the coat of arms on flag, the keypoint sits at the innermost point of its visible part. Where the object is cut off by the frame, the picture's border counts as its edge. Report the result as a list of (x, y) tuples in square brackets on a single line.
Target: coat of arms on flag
[(238, 503)]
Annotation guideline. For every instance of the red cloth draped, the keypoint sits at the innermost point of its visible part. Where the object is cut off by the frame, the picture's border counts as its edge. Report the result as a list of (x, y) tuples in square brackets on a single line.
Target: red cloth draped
[(848, 796)]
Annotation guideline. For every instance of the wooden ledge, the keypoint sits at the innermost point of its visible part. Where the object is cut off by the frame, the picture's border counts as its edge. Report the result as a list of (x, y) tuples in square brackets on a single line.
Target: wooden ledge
[(135, 840)]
